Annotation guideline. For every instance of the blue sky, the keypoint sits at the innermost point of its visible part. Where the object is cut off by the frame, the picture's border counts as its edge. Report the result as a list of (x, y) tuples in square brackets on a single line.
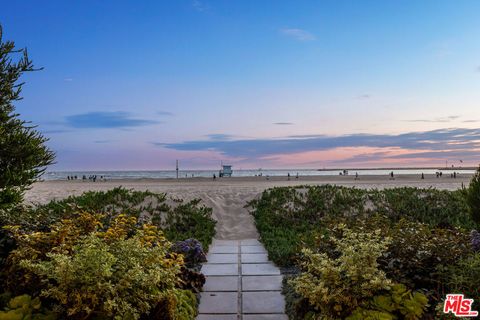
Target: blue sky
[(279, 84)]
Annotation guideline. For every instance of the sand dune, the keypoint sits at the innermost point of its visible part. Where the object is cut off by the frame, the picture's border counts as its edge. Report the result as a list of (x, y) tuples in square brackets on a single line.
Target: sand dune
[(228, 196)]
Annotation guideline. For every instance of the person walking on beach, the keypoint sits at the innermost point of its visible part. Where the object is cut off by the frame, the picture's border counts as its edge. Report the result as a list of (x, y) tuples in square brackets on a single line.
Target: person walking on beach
[(392, 177), (356, 175), (423, 177), (288, 176), (214, 177), (296, 177)]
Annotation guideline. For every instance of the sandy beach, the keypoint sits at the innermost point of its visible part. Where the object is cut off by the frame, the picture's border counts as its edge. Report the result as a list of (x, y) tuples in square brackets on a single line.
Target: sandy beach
[(228, 196)]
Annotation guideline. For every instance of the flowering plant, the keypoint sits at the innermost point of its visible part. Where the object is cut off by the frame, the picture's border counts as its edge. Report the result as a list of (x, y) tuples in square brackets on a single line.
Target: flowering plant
[(192, 251)]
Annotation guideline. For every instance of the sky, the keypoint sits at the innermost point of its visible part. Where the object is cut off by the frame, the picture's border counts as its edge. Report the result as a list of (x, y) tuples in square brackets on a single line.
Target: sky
[(135, 85)]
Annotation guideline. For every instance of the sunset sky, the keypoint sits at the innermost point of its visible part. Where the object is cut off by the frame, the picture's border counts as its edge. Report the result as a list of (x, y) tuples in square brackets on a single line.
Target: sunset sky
[(271, 84)]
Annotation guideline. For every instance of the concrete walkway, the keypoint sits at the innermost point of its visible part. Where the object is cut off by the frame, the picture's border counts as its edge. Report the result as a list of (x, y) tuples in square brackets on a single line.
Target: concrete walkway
[(241, 283)]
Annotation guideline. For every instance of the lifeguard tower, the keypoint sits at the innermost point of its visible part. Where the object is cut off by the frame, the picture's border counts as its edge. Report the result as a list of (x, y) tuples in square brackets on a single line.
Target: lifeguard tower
[(226, 171)]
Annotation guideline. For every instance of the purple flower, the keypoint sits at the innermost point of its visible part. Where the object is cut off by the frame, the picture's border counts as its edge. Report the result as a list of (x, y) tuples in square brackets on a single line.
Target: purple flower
[(192, 250)]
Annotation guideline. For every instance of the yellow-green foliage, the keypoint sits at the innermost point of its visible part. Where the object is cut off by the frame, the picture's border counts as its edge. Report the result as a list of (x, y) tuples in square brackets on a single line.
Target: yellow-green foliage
[(122, 272), (186, 305), (399, 303), (181, 305), (337, 286), (24, 307), (34, 246)]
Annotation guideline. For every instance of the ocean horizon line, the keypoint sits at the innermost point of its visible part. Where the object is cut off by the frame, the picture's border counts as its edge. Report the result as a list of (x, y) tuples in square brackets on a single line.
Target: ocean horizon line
[(204, 173)]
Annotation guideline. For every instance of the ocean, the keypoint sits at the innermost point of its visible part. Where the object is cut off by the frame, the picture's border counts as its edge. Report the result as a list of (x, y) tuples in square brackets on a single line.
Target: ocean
[(171, 174)]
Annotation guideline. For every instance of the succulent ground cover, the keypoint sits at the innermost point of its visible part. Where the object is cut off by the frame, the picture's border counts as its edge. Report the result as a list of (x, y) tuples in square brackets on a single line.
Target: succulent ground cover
[(119, 254), (370, 254)]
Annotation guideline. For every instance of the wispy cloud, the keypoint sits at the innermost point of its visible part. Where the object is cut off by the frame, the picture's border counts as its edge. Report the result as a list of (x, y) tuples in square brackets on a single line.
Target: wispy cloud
[(364, 96), (443, 140), (116, 119), (199, 6), (164, 113), (219, 136), (298, 34), (283, 123), (54, 131), (102, 141), (442, 154), (436, 120), (68, 79)]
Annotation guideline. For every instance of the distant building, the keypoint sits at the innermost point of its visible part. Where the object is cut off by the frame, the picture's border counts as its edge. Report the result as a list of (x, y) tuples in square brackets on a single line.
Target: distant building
[(226, 171)]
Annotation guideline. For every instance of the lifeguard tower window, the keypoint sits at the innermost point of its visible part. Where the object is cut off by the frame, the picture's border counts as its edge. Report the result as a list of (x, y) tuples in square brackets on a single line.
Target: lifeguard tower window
[(226, 171)]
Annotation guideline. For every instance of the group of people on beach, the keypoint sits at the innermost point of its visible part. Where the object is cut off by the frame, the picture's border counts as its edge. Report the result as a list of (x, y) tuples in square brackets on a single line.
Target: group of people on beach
[(267, 176), (288, 176), (90, 178), (453, 175), (439, 174)]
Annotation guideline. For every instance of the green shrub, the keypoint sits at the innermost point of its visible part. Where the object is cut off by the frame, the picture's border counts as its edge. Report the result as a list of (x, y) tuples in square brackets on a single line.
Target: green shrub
[(336, 286), (418, 253), (178, 219), (124, 278), (399, 303), (24, 307), (61, 237), (431, 206), (179, 306), (7, 244), (88, 271), (189, 220), (464, 277), (296, 306), (287, 217), (428, 231), (473, 197)]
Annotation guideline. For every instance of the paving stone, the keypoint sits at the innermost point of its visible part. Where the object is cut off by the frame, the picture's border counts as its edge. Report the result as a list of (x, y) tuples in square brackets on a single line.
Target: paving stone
[(260, 280), (221, 317), (222, 258), (225, 243), (263, 302), (254, 257), (264, 317), (223, 249), (221, 283), (218, 302), (253, 249), (230, 269), (262, 283), (250, 242), (257, 269)]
